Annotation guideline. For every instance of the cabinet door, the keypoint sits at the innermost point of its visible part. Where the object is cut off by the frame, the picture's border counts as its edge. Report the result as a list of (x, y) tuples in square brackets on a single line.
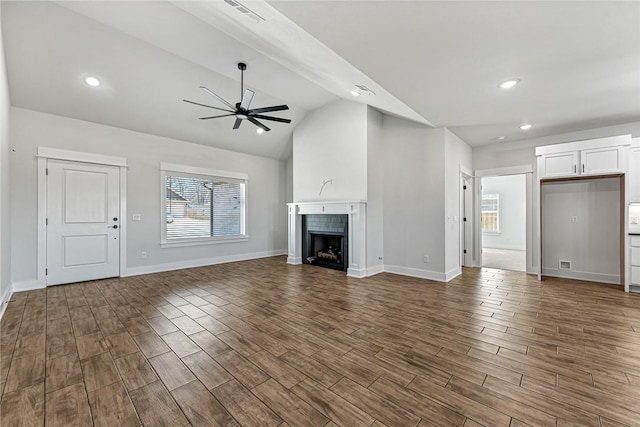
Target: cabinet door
[(561, 164), (599, 161), (634, 175)]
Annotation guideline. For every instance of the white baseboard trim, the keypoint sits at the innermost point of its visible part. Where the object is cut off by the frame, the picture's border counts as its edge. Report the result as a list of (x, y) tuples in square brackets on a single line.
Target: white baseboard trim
[(358, 273), (294, 260), (416, 272), (372, 271), (582, 275), (452, 274), (28, 285), (158, 268), (5, 300), (506, 247)]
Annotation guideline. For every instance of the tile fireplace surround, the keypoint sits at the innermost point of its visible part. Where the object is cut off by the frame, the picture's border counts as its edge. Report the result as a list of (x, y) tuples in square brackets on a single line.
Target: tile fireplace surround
[(357, 214)]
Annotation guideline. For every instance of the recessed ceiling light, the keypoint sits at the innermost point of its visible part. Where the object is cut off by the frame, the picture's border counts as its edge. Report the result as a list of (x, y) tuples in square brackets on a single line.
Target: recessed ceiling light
[(92, 81), (508, 84), (355, 93), (525, 126), (501, 138), (259, 131)]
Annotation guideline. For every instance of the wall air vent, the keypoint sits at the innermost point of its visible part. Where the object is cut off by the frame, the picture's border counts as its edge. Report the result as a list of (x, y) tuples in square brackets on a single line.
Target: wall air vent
[(564, 265), (244, 10)]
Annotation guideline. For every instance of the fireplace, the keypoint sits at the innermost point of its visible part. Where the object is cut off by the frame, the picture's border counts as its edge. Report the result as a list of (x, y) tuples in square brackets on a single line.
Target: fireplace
[(347, 218), (325, 241)]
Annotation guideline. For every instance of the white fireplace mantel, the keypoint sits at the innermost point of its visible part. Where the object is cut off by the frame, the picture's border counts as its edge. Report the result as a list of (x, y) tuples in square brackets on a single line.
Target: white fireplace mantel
[(357, 214)]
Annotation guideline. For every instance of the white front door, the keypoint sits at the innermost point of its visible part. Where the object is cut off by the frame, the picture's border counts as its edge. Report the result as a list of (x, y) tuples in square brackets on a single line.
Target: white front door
[(83, 210)]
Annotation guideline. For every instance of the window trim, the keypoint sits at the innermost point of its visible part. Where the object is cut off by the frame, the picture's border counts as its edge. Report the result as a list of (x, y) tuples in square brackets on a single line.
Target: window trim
[(495, 232), (200, 173)]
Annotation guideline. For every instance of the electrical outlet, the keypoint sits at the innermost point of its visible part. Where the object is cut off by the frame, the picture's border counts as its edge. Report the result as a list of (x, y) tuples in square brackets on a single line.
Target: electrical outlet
[(136, 217), (380, 258), (143, 255), (425, 259), (574, 219)]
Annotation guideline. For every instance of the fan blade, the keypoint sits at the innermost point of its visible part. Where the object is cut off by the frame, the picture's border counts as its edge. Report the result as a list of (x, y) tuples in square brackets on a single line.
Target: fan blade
[(215, 117), (219, 98), (275, 119), (246, 99), (257, 123), (269, 109), (237, 124), (208, 106)]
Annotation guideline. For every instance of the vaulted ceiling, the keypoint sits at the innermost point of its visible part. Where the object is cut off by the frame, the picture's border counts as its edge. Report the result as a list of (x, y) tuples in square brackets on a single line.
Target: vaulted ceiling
[(437, 63)]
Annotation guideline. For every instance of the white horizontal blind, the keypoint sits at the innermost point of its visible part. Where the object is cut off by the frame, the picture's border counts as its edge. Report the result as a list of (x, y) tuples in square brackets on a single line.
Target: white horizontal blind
[(203, 207)]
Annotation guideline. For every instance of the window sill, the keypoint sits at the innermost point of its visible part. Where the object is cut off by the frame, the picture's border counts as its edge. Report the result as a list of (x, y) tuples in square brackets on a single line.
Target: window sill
[(491, 233), (199, 242)]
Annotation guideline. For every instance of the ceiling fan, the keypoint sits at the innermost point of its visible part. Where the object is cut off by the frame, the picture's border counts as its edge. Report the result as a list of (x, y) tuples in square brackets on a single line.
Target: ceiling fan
[(241, 109)]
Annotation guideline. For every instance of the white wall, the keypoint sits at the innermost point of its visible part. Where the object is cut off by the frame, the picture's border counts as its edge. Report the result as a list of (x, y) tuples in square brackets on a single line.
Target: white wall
[(413, 205), (331, 143), (289, 180), (507, 154), (375, 191), (457, 154), (511, 191), (266, 191), (519, 153), (5, 201), (592, 243)]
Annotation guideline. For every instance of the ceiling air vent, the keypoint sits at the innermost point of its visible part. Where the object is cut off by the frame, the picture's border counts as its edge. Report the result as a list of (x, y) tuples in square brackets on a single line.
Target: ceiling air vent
[(564, 265), (364, 90), (245, 10)]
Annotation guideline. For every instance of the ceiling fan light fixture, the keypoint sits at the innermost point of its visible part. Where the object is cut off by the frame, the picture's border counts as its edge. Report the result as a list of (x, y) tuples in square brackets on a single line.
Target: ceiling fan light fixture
[(92, 81), (526, 126), (508, 84), (259, 131), (242, 110)]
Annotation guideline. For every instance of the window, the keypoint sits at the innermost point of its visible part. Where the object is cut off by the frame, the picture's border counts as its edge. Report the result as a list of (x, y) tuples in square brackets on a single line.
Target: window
[(202, 206), (490, 213)]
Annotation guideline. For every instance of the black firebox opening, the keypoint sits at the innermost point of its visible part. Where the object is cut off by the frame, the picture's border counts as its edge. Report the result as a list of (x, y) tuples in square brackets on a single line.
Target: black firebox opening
[(325, 248)]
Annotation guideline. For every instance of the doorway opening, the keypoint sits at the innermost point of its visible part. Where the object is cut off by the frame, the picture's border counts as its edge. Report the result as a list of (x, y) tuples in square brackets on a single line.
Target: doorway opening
[(503, 220), (582, 228)]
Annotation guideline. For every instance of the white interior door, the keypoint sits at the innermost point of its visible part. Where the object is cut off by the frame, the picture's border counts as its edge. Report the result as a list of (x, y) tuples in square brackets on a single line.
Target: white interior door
[(83, 209)]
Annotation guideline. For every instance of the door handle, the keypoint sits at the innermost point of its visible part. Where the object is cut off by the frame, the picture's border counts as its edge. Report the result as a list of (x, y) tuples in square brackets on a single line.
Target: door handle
[(115, 226)]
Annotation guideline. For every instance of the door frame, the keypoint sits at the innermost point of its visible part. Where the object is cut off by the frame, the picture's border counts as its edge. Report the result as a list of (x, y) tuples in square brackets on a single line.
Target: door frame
[(513, 170), (466, 211), (43, 155)]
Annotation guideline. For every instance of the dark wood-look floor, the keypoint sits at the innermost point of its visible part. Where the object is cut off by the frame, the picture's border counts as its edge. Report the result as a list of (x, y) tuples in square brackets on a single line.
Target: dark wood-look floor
[(262, 343)]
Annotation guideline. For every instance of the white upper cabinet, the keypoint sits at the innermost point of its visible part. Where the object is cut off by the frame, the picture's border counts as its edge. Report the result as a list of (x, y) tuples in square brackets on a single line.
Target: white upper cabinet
[(598, 161), (593, 157), (558, 165)]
